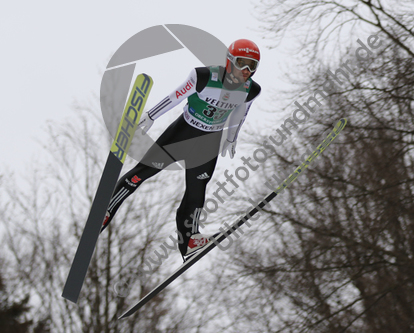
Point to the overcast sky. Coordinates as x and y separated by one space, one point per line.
55 52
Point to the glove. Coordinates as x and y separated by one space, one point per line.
230 147
145 123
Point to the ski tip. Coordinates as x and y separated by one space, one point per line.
343 121
146 75
340 124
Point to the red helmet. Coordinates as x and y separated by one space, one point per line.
242 54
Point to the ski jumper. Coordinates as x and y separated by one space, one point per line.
193 137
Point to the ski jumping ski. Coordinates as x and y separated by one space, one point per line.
116 158
223 235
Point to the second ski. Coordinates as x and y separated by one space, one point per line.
223 235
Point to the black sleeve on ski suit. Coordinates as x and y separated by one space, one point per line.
203 75
254 91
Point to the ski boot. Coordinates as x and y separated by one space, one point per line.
106 221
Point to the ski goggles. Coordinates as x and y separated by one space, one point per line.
242 63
